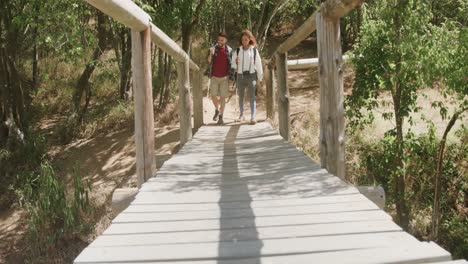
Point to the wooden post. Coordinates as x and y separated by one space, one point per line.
270 92
332 155
185 102
197 77
143 99
283 94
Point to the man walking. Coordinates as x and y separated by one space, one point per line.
220 74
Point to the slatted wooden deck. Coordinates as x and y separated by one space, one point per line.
240 194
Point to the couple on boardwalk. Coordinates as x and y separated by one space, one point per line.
242 66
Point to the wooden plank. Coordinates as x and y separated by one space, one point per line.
267 183
259 150
244 249
306 170
207 141
254 131
259 159
243 190
332 138
259 128
217 196
220 163
303 64
283 95
224 167
210 224
458 261
241 155
275 143
422 253
145 216
144 122
219 140
280 176
243 234
168 206
190 182
185 102
197 78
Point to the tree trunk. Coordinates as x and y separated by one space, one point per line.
83 86
400 184
161 76
264 29
436 215
124 56
166 91
261 17
35 70
187 27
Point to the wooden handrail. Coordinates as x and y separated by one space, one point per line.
332 9
326 20
301 64
132 16
143 33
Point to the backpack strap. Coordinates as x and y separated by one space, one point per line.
255 54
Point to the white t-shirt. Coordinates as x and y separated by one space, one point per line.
247 62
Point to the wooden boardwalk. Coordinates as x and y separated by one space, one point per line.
240 194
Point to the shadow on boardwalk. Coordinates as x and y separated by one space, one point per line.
226 233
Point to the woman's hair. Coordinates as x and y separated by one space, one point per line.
249 34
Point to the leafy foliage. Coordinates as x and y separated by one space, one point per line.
53 215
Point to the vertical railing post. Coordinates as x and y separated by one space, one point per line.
185 102
197 77
143 100
270 91
332 153
283 94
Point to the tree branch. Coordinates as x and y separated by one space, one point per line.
196 16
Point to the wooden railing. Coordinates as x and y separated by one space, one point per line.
143 33
326 20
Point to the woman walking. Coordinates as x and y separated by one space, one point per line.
247 63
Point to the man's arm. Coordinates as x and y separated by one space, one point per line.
259 67
234 60
210 54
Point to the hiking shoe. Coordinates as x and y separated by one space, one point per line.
253 121
240 119
220 120
215 117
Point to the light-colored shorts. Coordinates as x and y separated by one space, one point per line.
219 86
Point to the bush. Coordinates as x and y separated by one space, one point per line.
421 153
53 216
17 157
